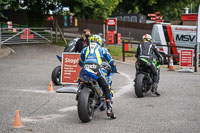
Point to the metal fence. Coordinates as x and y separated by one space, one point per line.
25 35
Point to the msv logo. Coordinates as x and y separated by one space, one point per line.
185 38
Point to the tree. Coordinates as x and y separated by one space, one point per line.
36 10
170 9
91 8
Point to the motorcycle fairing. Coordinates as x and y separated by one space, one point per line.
86 74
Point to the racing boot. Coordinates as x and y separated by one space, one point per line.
154 89
110 112
111 95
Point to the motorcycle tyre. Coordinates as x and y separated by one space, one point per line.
139 85
56 75
83 104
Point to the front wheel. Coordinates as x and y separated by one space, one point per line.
56 75
85 105
140 89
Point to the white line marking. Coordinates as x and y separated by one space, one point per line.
39 118
124 62
71 108
36 91
126 88
12 50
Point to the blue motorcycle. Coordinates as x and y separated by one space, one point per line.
90 95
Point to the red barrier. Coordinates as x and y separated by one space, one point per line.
70 68
118 38
126 47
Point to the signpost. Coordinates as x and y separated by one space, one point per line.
10 25
70 68
155 16
27 34
186 60
69 72
198 41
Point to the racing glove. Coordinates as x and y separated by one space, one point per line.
113 67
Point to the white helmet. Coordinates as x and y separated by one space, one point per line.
147 37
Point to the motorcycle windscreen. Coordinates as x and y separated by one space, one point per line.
59 57
71 46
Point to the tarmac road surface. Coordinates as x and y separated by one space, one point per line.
24 79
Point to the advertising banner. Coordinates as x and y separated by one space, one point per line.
70 68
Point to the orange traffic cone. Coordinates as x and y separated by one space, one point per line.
17 121
171 64
50 89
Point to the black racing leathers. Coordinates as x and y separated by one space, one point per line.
81 44
147 50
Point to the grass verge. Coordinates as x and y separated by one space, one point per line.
116 50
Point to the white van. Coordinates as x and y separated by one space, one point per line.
175 35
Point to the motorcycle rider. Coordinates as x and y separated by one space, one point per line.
94 54
145 52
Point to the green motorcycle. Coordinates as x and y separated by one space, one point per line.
143 80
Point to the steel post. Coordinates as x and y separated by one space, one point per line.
0 38
27 35
197 58
123 52
169 53
51 35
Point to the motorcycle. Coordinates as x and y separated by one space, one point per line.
56 73
90 96
143 80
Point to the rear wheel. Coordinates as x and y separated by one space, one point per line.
85 105
140 89
56 75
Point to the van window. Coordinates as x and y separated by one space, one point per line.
156 36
